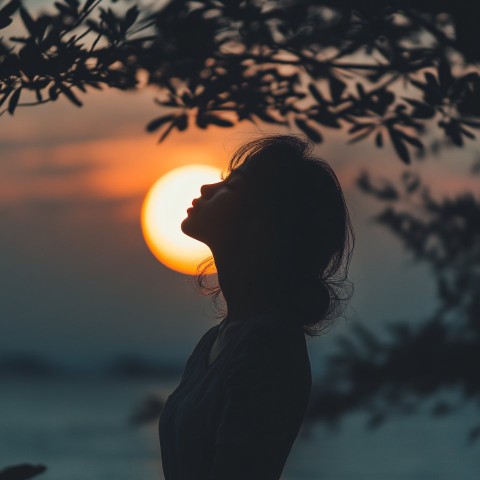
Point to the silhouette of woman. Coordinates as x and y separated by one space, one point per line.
281 239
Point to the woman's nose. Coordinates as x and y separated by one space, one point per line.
208 189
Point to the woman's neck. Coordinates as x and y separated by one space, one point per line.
236 279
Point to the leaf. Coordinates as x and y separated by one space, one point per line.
474 434
5 22
421 110
93 25
444 74
411 140
401 332
432 82
158 122
200 121
360 126
87 5
467 133
19 39
360 90
471 123
10 8
81 87
379 100
452 129
267 118
432 91
363 182
371 343
316 94
131 16
73 3
441 408
325 117
12 104
336 88
347 346
7 11
52 92
66 10
166 132
362 135
399 146
28 22
181 122
213 119
376 420
70 95
309 131
411 181
187 99
95 85
7 93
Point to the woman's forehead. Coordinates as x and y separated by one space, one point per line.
237 174
240 175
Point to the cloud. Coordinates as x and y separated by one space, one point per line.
60 170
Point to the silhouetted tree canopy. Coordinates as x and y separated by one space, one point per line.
374 68
441 353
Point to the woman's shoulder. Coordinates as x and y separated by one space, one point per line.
201 344
275 327
275 335
272 349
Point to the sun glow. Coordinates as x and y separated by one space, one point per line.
163 210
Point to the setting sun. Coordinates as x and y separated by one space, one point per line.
163 210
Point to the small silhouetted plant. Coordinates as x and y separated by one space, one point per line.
377 69
21 471
148 411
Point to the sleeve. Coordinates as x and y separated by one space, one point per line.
259 420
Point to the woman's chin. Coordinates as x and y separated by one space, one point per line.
184 226
193 227
187 229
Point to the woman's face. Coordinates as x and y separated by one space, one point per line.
220 212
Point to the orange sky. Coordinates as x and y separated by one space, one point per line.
60 150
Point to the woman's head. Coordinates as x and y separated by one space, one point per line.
221 214
298 234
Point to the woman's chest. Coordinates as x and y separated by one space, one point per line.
192 411
215 350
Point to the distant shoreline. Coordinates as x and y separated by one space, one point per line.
26 365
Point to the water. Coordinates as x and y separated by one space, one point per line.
79 429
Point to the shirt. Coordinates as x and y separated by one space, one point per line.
239 417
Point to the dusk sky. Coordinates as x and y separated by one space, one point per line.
78 283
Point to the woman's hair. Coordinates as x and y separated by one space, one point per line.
304 270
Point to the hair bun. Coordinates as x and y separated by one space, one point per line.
312 299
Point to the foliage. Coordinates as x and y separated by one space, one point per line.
21 471
311 65
443 352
